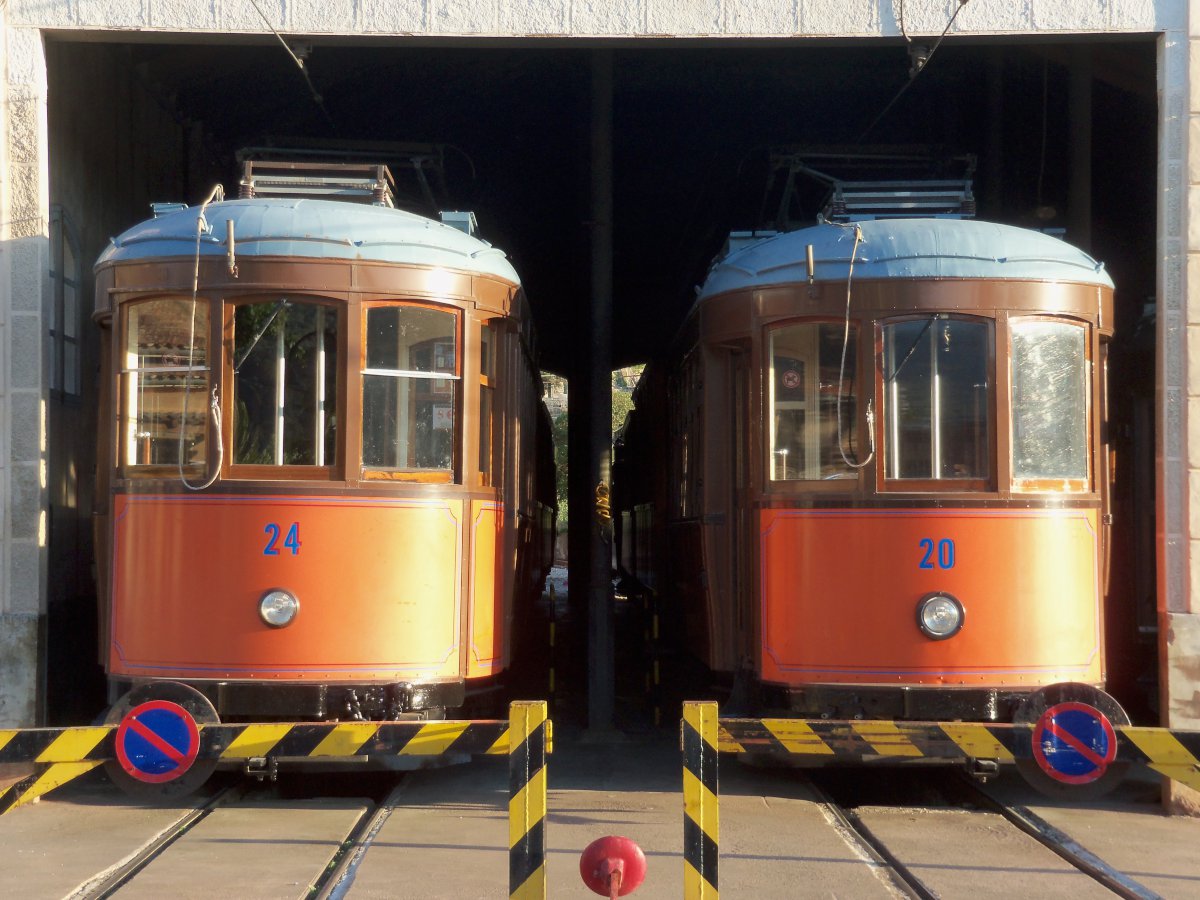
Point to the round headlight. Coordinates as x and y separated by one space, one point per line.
940 616
278 608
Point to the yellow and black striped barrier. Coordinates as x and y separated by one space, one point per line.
1175 754
701 825
529 740
59 755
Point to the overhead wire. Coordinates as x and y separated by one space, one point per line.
317 98
916 71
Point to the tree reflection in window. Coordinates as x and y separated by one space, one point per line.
285 377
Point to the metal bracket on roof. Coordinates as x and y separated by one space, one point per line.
355 182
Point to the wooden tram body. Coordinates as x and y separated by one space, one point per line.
941 551
324 460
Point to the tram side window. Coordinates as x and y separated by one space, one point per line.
285 384
410 389
165 383
1049 402
937 397
806 360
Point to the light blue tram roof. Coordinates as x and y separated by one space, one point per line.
906 248
318 229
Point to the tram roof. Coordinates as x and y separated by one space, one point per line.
905 248
317 229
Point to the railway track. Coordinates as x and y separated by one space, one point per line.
864 806
241 839
848 833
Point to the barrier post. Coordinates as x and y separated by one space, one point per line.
698 740
527 738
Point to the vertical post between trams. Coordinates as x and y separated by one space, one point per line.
701 790
601 678
528 739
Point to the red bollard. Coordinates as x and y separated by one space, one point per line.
613 866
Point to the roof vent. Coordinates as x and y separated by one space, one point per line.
161 209
463 221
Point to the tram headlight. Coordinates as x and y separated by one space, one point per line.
940 616
278 608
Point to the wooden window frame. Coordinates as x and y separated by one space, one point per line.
890 485
453 475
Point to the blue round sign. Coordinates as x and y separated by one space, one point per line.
1074 743
157 741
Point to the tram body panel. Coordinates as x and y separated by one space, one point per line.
486 611
378 582
348 416
840 590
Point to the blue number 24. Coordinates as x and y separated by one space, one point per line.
291 541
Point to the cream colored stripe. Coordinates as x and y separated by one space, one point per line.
73 745
527 808
534 887
434 738
797 736
694 885
726 742
700 805
1160 746
56 776
886 739
501 745
256 740
976 741
345 739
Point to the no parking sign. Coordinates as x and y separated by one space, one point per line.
157 741
1074 743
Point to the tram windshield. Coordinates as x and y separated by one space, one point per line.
937 397
285 365
806 361
165 383
1049 401
410 389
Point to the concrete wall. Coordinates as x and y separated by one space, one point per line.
24 202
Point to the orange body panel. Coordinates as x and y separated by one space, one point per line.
487 581
840 590
378 580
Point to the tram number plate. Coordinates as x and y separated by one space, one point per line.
291 540
939 555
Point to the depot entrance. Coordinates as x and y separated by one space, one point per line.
1064 137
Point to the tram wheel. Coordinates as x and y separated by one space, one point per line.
140 786
1031 711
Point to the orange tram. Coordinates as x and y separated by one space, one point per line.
870 476
324 456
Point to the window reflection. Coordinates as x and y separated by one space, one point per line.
1049 400
410 391
165 382
805 364
285 384
937 396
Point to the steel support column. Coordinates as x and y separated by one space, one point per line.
601 689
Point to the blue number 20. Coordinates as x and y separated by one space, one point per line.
292 541
945 554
